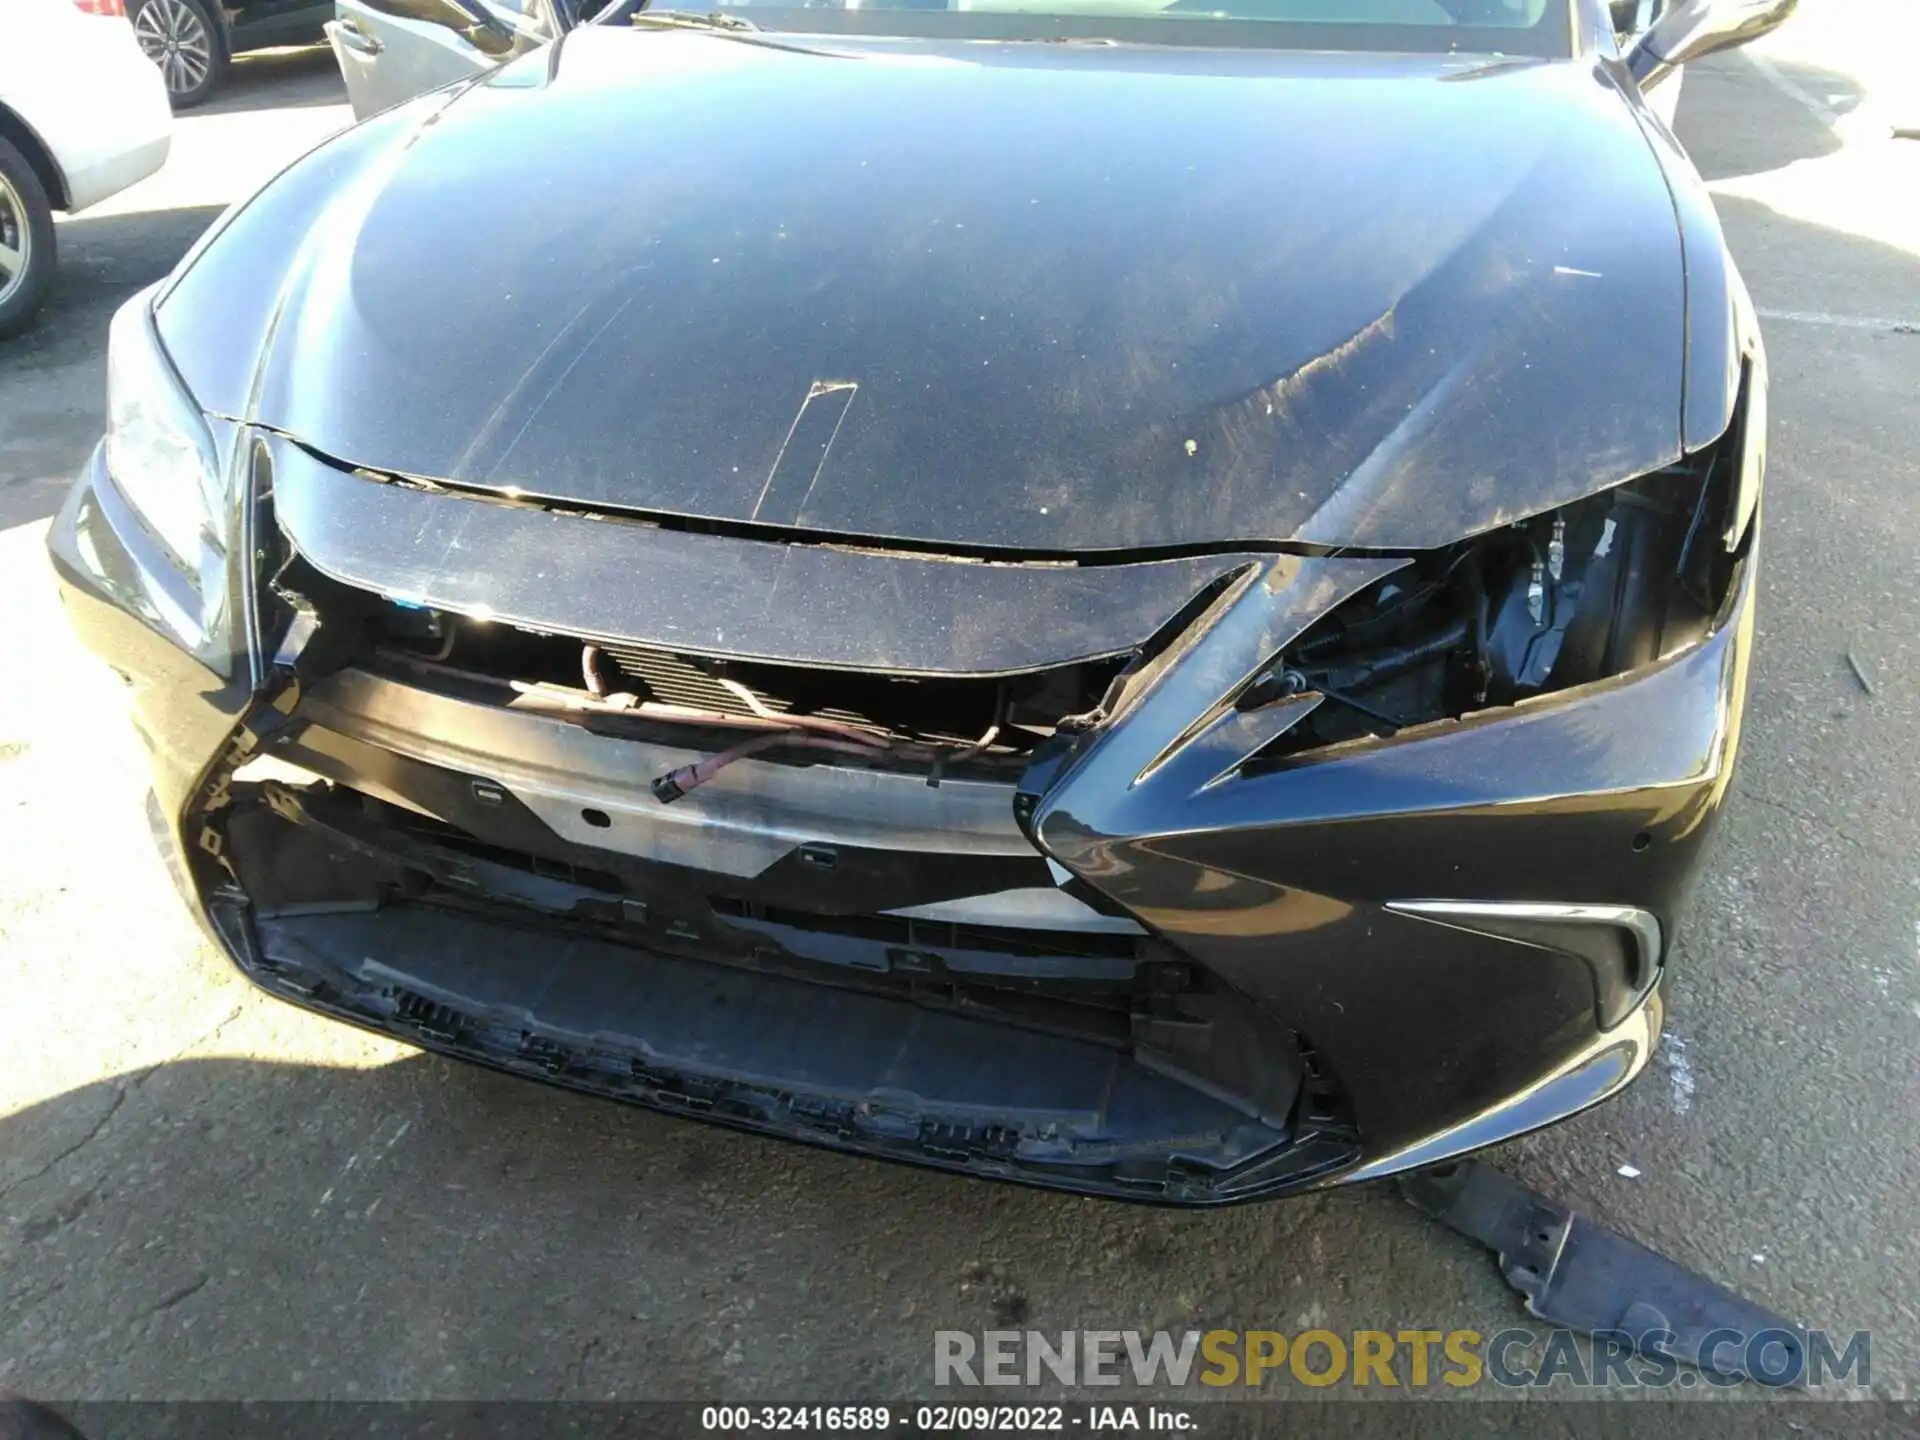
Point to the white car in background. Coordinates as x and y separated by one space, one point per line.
82 114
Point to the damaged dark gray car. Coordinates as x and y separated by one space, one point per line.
1142 598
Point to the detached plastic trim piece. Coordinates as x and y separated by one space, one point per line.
1575 1273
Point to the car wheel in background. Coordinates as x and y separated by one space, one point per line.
27 1420
26 241
180 37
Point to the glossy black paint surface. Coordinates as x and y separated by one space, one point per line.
183 710
1277 879
1029 297
1723 334
720 594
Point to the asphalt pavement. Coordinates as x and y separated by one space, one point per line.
206 1194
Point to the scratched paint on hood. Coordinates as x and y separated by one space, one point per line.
1061 300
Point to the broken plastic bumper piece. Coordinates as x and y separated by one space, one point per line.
1579 1274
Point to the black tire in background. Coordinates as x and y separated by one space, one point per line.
184 40
29 1420
27 253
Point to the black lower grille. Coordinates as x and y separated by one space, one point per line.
425 1014
910 933
962 1087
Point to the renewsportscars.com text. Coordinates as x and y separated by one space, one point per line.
1513 1358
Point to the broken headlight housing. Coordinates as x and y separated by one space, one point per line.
162 461
1597 588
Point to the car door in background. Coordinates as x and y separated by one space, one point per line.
392 50
1630 21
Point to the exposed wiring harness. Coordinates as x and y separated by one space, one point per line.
671 786
978 747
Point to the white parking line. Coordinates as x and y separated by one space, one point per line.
1845 322
1791 88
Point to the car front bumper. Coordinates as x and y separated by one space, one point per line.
1373 1027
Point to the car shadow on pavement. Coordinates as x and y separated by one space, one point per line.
233 1228
276 79
53 378
1764 114
104 258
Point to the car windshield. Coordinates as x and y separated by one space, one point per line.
1507 27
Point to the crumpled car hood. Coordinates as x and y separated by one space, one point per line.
1039 298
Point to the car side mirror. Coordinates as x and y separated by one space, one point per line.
1688 29
484 30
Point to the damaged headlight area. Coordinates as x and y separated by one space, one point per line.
1593 589
165 471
